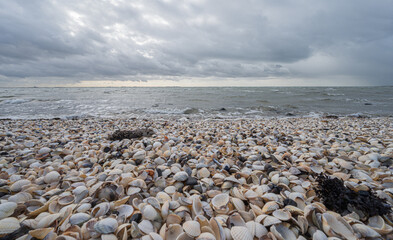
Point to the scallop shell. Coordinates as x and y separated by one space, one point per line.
192 228
240 233
105 226
9 225
238 204
7 209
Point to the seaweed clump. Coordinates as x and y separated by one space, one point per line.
343 200
130 134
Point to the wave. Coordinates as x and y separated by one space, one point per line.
16 101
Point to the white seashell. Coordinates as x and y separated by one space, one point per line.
180 176
9 225
20 197
105 226
149 213
52 177
220 201
283 215
269 220
365 231
7 209
240 233
173 231
206 236
192 228
282 232
319 235
84 207
270 207
41 233
18 185
48 220
330 224
146 226
79 218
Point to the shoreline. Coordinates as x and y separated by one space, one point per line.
220 177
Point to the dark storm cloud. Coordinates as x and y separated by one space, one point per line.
90 40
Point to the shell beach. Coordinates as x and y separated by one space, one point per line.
205 179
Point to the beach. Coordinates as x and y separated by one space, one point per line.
193 178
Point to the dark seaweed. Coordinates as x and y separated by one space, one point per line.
341 199
130 134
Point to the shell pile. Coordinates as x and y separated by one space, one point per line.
193 179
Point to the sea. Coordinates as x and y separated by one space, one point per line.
212 102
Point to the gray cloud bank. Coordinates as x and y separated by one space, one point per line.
133 40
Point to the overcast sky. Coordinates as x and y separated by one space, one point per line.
248 42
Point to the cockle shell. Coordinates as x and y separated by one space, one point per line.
192 228
7 209
240 233
79 218
52 177
107 225
9 225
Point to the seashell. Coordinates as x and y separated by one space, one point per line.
79 218
66 200
173 231
80 193
184 236
100 209
319 235
9 225
236 220
52 177
173 219
105 226
220 202
240 233
206 236
365 231
192 228
270 207
125 211
149 213
18 185
331 225
7 209
250 194
84 207
283 215
238 204
146 226
170 190
47 220
41 233
20 197
378 224
270 220
180 176
108 237
282 232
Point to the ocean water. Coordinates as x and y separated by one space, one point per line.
225 102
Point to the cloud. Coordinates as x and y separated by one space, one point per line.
78 40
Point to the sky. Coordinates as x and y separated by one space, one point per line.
196 43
